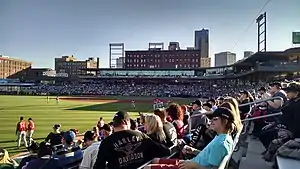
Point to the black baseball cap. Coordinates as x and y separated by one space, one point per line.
197 102
262 89
223 112
292 87
207 105
278 84
120 116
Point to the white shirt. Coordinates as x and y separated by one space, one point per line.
90 156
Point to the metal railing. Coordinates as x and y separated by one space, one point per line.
261 101
170 156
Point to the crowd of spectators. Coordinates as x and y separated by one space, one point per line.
200 90
203 131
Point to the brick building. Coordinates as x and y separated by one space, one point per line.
172 58
73 67
10 66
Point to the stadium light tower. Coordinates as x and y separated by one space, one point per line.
116 50
262 32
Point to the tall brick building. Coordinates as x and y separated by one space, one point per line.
10 66
172 58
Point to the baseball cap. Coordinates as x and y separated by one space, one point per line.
69 136
120 116
207 105
262 89
223 112
292 87
278 84
197 102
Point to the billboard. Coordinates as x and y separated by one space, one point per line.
296 37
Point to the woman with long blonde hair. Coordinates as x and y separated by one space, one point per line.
154 128
232 104
5 159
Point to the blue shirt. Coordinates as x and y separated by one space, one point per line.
213 154
66 158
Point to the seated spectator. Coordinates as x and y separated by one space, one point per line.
33 149
55 137
198 116
176 114
169 129
212 155
126 148
90 153
105 130
287 125
97 132
70 153
6 161
213 103
44 160
208 108
154 128
134 125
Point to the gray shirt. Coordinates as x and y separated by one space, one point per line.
198 118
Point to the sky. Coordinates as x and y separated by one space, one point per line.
40 30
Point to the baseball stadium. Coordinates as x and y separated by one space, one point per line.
78 105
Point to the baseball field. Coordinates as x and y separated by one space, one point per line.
80 113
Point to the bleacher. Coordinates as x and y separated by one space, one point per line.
246 152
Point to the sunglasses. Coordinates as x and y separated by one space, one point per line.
215 118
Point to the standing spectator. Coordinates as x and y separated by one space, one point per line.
21 132
90 153
30 130
124 144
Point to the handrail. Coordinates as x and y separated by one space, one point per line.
261 117
260 101
172 154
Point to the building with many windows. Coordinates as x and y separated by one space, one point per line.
225 58
10 66
174 58
202 42
73 67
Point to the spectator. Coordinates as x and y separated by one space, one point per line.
33 149
44 158
169 129
213 154
154 128
6 161
55 137
198 116
176 114
134 125
70 153
105 130
90 153
213 103
275 91
126 148
245 97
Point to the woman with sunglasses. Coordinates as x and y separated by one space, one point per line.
224 123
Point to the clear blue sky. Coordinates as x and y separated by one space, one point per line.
39 30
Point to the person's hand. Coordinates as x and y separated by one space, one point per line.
187 150
155 161
267 126
187 164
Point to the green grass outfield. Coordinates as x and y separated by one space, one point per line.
82 115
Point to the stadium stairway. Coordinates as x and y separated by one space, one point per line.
253 157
